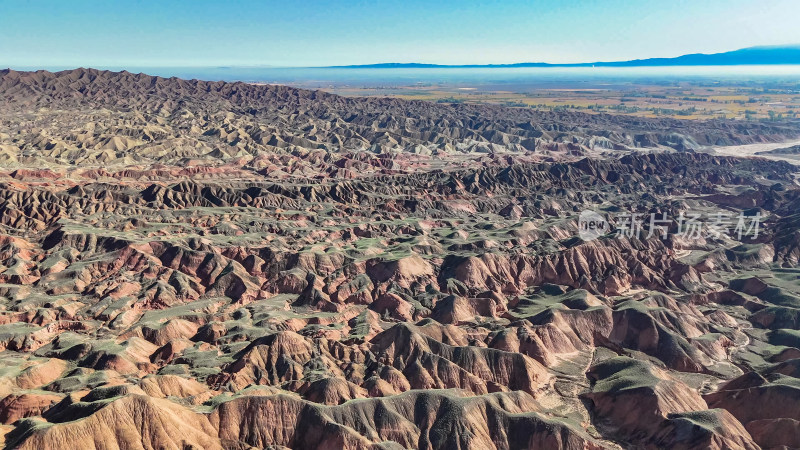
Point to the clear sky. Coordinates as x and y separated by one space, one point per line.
136 33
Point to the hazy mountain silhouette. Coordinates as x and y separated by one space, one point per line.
789 54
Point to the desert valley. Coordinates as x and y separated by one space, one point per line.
225 265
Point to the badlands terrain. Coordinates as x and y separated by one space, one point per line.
209 265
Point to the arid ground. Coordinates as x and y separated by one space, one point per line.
210 265
688 97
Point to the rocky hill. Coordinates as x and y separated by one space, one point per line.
188 264
134 119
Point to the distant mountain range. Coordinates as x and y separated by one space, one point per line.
789 54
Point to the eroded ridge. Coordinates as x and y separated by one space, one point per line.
345 288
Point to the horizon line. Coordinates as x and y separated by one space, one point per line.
642 62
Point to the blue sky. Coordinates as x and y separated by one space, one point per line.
136 33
